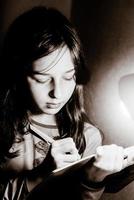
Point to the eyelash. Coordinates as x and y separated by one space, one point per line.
48 80
70 78
39 81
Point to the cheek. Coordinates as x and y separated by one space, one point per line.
38 92
68 90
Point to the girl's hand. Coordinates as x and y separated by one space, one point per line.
109 159
129 154
25 154
64 152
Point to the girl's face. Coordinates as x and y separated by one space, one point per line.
53 81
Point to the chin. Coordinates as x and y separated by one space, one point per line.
51 111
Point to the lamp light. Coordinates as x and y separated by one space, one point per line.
126 92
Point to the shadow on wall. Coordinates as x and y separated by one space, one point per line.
107 32
9 10
106 29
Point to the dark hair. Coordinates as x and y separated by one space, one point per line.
35 34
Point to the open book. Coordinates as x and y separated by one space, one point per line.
73 166
59 186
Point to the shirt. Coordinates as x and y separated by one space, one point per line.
33 150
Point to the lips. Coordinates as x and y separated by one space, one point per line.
53 105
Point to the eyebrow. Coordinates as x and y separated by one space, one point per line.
45 74
71 70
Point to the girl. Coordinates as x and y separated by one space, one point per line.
42 91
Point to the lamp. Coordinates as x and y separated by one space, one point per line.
126 92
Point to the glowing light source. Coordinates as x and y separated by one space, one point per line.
126 92
124 109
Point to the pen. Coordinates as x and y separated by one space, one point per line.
41 134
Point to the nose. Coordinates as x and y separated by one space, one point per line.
56 91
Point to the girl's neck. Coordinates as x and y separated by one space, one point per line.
44 119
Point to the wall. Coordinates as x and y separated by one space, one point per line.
106 29
10 9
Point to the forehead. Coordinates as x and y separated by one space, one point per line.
59 60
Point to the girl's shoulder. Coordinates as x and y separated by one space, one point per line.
93 138
91 130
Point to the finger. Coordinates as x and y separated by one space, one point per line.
129 152
119 158
99 151
106 152
62 141
63 160
71 158
110 158
67 151
104 156
68 147
71 150
61 155
129 156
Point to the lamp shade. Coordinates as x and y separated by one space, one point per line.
126 92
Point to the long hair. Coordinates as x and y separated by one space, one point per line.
34 34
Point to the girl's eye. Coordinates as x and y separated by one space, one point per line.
43 80
70 77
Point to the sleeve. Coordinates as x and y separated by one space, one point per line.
23 155
117 181
89 193
93 140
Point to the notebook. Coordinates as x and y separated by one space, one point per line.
73 166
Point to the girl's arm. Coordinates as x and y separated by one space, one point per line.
64 152
93 140
109 159
23 160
